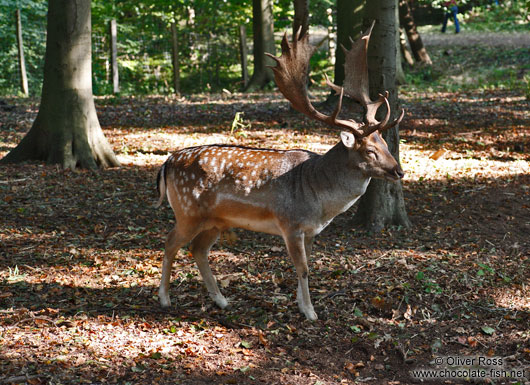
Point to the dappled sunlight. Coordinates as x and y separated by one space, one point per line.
144 148
450 165
515 298
90 344
81 255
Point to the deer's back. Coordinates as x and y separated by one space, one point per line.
232 186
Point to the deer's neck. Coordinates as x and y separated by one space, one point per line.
336 182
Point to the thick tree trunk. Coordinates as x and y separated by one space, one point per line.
66 130
263 29
383 202
416 44
301 16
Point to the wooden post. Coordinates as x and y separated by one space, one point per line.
21 61
176 69
331 36
114 56
243 50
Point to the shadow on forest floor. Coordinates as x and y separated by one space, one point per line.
80 257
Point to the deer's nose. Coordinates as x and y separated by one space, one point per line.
399 172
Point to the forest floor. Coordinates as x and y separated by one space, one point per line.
81 252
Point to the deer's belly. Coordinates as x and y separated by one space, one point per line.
254 224
246 215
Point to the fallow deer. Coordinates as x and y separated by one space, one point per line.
291 193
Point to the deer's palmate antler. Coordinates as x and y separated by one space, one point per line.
291 193
291 74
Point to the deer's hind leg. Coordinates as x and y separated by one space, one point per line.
178 237
200 247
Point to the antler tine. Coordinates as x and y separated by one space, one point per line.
291 73
395 121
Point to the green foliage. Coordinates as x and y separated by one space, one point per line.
207 38
472 68
33 19
239 126
209 46
429 284
510 15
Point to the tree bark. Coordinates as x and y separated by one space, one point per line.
175 58
400 74
66 130
349 26
301 16
405 52
243 52
383 202
263 29
21 61
416 44
113 32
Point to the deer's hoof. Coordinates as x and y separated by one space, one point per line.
220 301
164 300
311 315
309 312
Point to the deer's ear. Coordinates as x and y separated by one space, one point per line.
347 139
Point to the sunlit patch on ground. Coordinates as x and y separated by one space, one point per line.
80 258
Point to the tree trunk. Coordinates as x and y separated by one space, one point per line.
301 16
405 52
113 32
66 130
416 44
175 58
263 29
243 52
21 62
349 26
383 202
400 74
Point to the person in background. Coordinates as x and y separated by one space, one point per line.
451 9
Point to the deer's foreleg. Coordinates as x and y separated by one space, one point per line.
296 246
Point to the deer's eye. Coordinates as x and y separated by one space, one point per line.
371 153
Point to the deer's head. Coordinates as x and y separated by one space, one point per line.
370 154
366 147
